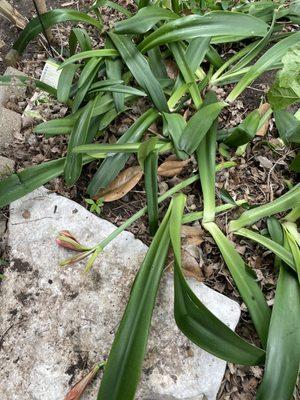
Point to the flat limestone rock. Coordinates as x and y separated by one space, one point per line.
10 125
56 323
14 88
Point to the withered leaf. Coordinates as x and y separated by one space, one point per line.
121 185
262 110
192 235
172 166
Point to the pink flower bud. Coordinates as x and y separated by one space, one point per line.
68 241
78 389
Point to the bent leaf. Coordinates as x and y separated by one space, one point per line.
245 282
144 20
217 24
34 27
194 319
123 369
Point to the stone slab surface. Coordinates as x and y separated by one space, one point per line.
10 124
6 167
14 89
55 323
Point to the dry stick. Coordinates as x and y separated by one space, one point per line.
13 15
40 7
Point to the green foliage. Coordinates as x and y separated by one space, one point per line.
100 85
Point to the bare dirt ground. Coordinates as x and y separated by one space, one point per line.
260 175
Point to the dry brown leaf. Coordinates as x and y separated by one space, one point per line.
172 166
193 235
172 69
190 264
121 185
262 110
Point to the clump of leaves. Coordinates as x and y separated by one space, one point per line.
100 85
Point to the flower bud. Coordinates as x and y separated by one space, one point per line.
68 241
78 389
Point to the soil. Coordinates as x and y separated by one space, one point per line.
259 176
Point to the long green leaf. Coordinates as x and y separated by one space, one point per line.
90 54
81 37
151 188
123 369
283 203
187 73
215 24
283 347
288 126
55 127
65 82
118 89
206 158
87 76
194 319
114 71
144 20
174 125
19 184
270 57
245 282
200 123
140 69
113 164
245 131
34 27
78 136
269 244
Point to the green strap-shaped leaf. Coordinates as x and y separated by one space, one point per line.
174 125
200 123
194 319
113 164
119 89
156 63
65 82
196 52
141 70
151 187
187 73
214 24
87 76
206 158
19 184
245 131
285 202
123 369
114 71
81 37
144 20
55 127
270 57
245 282
283 346
79 134
288 126
50 18
269 244
89 54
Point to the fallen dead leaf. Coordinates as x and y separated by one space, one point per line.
121 185
190 264
193 235
172 166
262 110
171 68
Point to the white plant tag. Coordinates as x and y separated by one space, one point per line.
50 74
